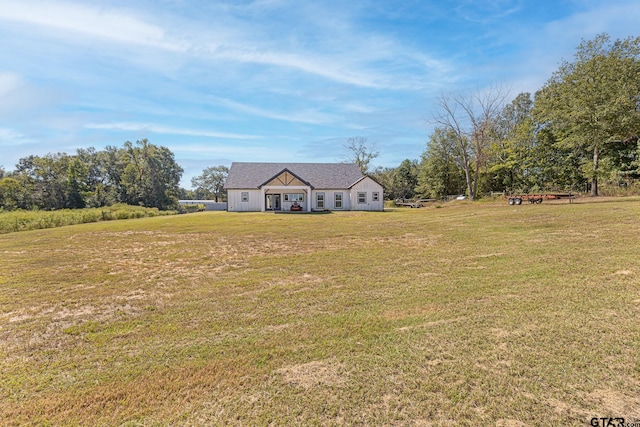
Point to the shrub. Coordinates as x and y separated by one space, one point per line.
18 220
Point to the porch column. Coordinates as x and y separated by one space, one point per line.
308 199
262 200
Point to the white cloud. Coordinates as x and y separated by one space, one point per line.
118 26
308 117
206 149
10 135
155 128
350 62
619 20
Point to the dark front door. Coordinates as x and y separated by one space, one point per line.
272 202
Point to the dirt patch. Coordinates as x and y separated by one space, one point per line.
623 273
317 373
616 402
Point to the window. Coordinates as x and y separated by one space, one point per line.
338 201
362 197
245 196
295 197
320 200
375 196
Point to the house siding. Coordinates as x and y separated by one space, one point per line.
330 199
235 203
367 186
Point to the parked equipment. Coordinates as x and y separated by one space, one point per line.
538 198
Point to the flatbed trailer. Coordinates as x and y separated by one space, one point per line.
516 199
417 203
400 202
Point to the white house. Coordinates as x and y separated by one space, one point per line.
255 187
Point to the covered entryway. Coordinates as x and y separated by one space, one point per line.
272 202
286 191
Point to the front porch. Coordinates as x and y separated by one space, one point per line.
286 192
286 199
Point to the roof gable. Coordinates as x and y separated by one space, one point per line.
285 178
246 175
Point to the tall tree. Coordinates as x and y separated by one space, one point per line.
46 178
593 102
211 182
472 120
439 174
511 152
151 176
405 180
77 186
13 195
360 153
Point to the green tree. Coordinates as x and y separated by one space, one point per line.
46 178
76 183
150 176
13 195
439 174
511 153
405 180
211 183
554 166
593 101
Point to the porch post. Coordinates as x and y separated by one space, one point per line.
262 200
309 199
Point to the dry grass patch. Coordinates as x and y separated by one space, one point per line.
316 373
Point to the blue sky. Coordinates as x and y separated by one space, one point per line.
270 80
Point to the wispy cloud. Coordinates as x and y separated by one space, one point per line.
102 23
619 20
160 129
355 61
10 135
308 117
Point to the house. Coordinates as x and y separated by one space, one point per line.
255 187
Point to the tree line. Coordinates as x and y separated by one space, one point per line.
579 130
137 173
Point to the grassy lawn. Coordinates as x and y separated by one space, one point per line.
466 314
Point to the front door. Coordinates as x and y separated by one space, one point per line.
272 202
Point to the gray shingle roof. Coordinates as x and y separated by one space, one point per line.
245 175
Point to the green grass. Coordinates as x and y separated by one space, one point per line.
12 221
465 314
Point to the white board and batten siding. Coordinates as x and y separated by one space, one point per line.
367 195
237 202
330 200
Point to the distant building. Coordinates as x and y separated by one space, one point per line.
255 187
